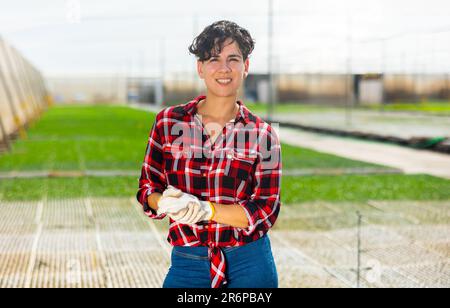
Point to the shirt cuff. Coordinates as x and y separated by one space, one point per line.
249 208
151 213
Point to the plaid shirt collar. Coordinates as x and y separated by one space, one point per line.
191 109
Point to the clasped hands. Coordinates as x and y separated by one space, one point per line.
184 208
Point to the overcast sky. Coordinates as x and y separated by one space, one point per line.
76 37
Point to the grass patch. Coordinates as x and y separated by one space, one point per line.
80 138
348 188
430 107
67 188
364 188
261 108
426 107
301 158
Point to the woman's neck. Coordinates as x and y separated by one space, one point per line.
221 108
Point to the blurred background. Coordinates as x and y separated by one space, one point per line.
359 92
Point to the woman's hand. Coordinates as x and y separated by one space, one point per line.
192 214
183 207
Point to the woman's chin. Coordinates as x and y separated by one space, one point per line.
223 93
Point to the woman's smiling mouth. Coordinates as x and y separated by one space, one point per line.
224 81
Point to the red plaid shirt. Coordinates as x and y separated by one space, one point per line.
243 167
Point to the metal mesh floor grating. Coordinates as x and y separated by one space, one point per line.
100 243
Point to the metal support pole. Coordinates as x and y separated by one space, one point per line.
271 102
162 62
358 267
349 83
383 73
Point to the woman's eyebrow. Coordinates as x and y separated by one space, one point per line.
230 56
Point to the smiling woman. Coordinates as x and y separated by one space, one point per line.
221 187
222 50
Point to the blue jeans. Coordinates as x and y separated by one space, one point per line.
248 266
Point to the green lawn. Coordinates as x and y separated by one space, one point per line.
364 187
261 108
354 188
62 188
301 158
427 107
111 138
83 138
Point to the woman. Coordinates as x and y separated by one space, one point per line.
214 168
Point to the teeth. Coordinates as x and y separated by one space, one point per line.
224 81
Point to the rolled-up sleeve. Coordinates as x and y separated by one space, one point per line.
152 178
264 205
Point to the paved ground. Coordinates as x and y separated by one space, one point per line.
386 123
110 243
408 160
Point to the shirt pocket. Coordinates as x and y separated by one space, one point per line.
240 167
175 162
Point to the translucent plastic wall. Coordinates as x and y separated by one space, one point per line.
23 95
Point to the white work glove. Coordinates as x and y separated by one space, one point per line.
183 207
190 215
164 207
173 200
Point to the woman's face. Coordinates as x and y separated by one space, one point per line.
224 73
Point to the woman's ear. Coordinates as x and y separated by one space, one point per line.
200 69
246 67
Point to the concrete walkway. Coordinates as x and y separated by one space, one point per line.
380 123
146 107
408 160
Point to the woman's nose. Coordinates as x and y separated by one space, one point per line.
224 67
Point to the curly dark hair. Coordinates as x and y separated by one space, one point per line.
211 41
